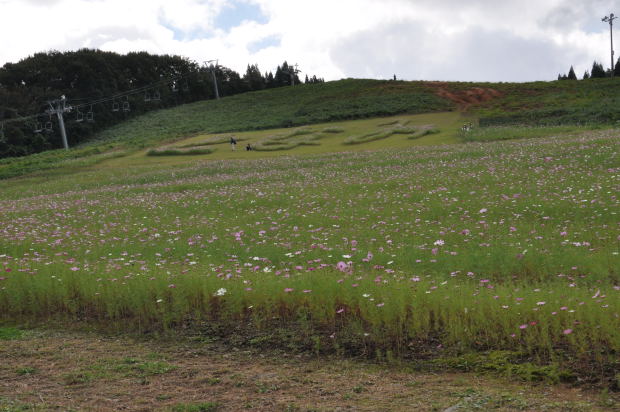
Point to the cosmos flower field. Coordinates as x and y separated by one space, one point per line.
448 249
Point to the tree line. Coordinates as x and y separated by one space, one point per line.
90 80
597 72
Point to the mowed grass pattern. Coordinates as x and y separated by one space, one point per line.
325 138
415 252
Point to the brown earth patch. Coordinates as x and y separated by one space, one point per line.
78 371
465 98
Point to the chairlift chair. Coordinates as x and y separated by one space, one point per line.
156 95
49 127
147 96
116 107
90 116
126 106
38 127
79 117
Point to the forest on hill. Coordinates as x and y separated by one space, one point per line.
102 89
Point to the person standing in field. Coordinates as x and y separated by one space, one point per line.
233 143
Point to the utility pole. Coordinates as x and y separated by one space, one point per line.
292 72
59 107
610 19
213 68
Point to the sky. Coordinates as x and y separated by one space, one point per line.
464 40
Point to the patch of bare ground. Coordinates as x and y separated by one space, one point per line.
45 370
465 98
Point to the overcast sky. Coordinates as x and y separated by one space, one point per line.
469 40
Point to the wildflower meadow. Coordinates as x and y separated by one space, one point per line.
421 253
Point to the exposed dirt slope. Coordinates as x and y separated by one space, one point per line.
464 98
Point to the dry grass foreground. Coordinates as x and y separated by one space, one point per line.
44 370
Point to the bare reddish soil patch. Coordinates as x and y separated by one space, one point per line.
464 98
78 371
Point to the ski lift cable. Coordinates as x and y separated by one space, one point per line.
138 90
129 92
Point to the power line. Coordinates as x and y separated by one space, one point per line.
118 96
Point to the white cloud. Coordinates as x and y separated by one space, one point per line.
416 39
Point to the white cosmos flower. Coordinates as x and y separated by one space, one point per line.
221 292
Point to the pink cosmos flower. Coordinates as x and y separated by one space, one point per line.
567 331
287 290
524 326
341 266
340 310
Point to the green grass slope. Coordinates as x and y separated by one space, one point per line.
282 107
584 102
589 103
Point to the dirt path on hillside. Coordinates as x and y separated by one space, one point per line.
77 371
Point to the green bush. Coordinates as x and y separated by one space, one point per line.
178 152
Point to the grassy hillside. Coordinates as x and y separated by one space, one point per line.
283 107
593 103
586 102
453 252
499 256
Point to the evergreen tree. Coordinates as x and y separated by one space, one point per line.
281 78
617 68
269 80
597 71
571 74
253 78
586 75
